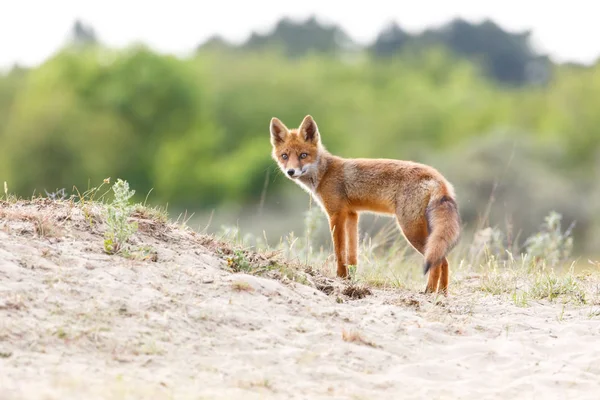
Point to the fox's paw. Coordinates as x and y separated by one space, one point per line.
442 292
342 272
429 290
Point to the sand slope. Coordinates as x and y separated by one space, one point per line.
76 323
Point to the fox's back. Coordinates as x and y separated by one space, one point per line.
381 185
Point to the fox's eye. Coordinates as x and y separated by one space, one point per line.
284 156
303 155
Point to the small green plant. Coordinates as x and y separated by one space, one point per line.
5 354
594 313
352 272
520 298
11 198
87 198
551 244
548 285
142 253
239 262
561 316
157 214
61 333
59 194
119 229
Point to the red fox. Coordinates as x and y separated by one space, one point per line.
420 197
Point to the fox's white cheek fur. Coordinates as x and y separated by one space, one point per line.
308 168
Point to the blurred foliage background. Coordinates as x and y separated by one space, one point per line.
516 134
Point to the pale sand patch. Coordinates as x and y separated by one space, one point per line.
76 323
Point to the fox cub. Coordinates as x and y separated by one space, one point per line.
420 197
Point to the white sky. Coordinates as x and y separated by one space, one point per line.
30 31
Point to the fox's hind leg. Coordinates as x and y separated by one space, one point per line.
433 280
443 288
416 233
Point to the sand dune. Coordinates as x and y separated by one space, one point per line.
76 323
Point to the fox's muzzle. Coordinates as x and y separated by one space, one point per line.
294 173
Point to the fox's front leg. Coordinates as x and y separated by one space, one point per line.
352 233
337 224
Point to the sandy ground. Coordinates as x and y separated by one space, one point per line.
76 323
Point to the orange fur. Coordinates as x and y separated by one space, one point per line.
420 197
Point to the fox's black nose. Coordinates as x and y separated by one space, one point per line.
290 172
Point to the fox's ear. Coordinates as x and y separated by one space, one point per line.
278 131
309 129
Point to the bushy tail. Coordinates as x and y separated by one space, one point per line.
443 221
